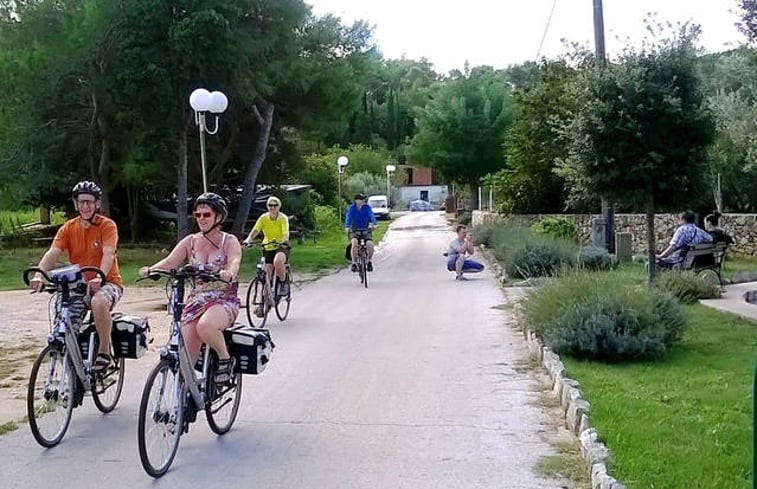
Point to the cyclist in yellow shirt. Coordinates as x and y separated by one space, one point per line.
274 225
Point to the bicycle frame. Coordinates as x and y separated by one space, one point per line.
63 332
176 349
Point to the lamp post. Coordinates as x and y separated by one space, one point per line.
341 162
203 101
389 170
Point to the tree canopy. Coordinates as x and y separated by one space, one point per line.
460 130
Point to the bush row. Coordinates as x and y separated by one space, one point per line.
599 315
540 251
584 310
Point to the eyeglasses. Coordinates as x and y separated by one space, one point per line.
206 215
273 205
85 202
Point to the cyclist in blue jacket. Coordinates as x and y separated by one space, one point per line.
359 223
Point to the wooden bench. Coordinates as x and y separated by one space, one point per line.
703 259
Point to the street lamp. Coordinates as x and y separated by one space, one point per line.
203 101
341 162
389 170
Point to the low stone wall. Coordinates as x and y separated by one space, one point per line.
743 227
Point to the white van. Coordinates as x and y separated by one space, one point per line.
380 206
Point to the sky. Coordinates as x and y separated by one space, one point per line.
504 32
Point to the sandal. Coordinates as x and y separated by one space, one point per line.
102 362
224 372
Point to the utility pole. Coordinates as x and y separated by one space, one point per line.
608 213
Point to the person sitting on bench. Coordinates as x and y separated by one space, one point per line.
711 224
687 234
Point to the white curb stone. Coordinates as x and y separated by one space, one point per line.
575 409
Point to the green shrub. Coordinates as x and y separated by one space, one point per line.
687 286
326 219
483 233
556 227
603 317
594 258
535 260
524 254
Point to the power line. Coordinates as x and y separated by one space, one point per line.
546 28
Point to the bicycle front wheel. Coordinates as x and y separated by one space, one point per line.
161 413
283 302
363 268
222 411
50 397
108 386
257 308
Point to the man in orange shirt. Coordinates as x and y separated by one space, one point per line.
90 240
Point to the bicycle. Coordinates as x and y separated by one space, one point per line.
362 256
63 372
173 393
262 297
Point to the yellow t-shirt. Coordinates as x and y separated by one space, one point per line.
273 230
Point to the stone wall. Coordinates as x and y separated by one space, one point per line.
743 227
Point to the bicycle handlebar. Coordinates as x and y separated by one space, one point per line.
185 272
59 280
260 244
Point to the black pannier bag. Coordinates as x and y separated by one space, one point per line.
129 336
251 347
83 338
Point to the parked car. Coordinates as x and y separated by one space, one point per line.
380 206
420 205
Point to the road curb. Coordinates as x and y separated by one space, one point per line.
575 409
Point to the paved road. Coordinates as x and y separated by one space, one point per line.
412 383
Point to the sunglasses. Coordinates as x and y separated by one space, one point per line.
206 215
85 202
273 205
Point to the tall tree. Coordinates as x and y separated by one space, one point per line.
460 131
641 133
528 183
748 24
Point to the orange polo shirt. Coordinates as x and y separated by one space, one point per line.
85 245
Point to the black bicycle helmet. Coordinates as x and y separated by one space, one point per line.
87 187
360 196
215 202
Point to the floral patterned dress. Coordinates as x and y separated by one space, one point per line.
205 295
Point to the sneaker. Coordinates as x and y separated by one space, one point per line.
461 278
354 267
369 267
283 289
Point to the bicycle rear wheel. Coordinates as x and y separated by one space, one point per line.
283 302
160 422
107 387
222 411
50 396
257 308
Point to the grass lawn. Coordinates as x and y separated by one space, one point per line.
685 422
327 252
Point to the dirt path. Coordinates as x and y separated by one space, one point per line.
25 326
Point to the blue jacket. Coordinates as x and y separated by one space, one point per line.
359 218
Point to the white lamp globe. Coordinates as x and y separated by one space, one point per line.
200 100
218 102
342 161
390 168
